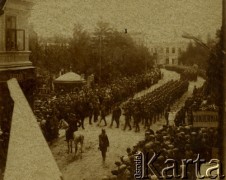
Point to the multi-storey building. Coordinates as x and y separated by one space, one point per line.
167 52
28 155
14 45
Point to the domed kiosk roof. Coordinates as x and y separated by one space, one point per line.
69 77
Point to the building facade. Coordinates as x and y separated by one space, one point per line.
167 52
14 45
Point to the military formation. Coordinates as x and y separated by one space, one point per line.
149 108
187 73
177 142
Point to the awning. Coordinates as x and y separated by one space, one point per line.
70 77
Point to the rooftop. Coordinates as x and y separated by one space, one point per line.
70 77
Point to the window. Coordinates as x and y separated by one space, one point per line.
167 60
173 50
167 50
179 50
173 61
15 38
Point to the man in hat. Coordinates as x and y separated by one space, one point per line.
103 144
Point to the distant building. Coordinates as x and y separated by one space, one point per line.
53 42
139 38
167 52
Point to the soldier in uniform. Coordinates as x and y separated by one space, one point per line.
167 115
116 115
103 144
137 119
127 119
90 112
96 112
103 115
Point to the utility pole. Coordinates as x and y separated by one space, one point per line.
224 60
100 57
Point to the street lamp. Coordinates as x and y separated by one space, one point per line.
188 36
198 41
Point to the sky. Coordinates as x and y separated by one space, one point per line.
158 20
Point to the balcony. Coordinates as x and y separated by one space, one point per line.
13 59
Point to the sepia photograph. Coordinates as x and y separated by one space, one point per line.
112 89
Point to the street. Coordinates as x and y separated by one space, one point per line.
90 166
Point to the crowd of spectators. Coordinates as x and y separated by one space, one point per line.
89 102
171 142
6 110
197 103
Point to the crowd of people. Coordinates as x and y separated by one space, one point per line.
89 102
171 142
6 111
198 102
149 108
182 140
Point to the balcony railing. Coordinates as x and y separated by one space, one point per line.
14 58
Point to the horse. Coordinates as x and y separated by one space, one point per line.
72 136
78 139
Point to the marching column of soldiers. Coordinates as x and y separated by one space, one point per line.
190 75
186 73
149 108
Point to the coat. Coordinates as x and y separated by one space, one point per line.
103 142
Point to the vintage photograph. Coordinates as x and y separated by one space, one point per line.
112 90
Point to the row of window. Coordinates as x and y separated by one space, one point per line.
173 50
167 50
15 38
173 61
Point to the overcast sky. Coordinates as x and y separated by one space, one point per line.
160 20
